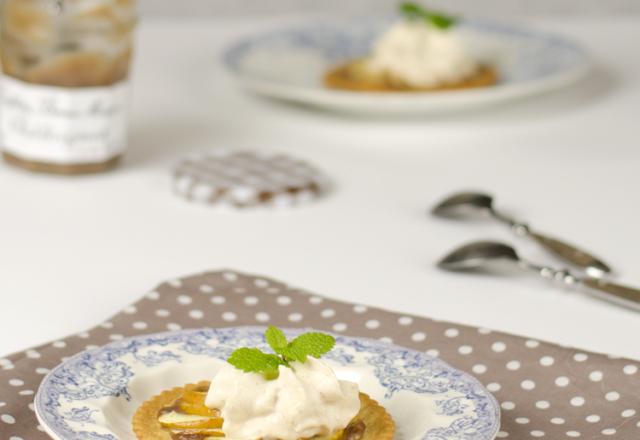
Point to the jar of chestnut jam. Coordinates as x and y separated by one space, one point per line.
65 95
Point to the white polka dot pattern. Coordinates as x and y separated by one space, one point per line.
545 391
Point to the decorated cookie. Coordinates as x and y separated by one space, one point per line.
247 178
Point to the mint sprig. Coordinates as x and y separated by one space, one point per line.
253 360
276 339
414 11
310 344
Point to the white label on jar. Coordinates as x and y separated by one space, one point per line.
63 125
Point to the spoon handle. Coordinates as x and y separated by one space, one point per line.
614 293
622 295
571 254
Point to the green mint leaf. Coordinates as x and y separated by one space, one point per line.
310 344
252 360
441 21
273 361
294 353
414 11
276 339
248 359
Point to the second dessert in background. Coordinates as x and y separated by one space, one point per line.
421 53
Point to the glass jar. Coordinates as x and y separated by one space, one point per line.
65 66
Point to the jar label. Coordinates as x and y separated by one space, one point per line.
63 125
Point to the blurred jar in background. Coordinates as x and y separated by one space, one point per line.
64 99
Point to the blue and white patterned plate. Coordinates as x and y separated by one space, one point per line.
289 64
94 395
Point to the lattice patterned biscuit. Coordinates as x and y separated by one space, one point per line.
244 179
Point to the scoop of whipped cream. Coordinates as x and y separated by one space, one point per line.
305 400
421 55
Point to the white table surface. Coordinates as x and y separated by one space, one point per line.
73 251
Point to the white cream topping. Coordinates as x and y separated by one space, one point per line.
305 400
421 55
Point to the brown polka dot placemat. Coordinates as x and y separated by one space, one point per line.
545 391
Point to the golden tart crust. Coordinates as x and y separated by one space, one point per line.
354 77
378 423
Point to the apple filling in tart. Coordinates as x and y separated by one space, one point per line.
181 414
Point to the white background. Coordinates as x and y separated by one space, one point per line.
75 250
222 8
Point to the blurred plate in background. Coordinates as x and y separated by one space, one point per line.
289 64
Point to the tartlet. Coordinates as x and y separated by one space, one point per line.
352 76
187 403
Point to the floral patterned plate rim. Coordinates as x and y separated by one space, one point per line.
289 64
93 395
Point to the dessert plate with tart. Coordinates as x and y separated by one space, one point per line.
421 61
251 383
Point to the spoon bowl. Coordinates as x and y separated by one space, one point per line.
467 204
464 204
479 255
489 254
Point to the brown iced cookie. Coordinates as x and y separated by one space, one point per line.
245 179
353 76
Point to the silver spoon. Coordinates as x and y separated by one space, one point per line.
468 203
486 254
